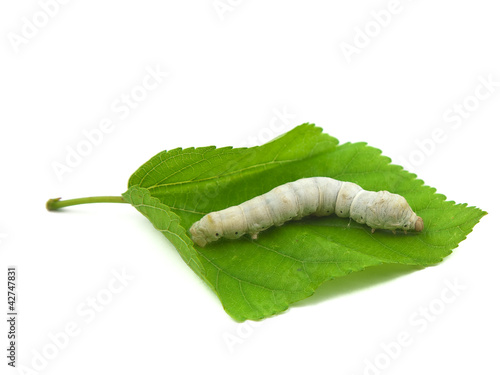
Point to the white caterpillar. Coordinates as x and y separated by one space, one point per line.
320 196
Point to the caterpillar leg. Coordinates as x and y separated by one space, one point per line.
373 230
255 236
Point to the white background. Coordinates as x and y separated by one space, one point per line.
230 72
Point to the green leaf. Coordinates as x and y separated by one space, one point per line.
255 279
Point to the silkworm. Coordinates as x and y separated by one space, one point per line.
319 196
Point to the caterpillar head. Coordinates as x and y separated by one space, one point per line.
412 222
392 211
206 230
419 224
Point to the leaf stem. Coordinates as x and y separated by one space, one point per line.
56 203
